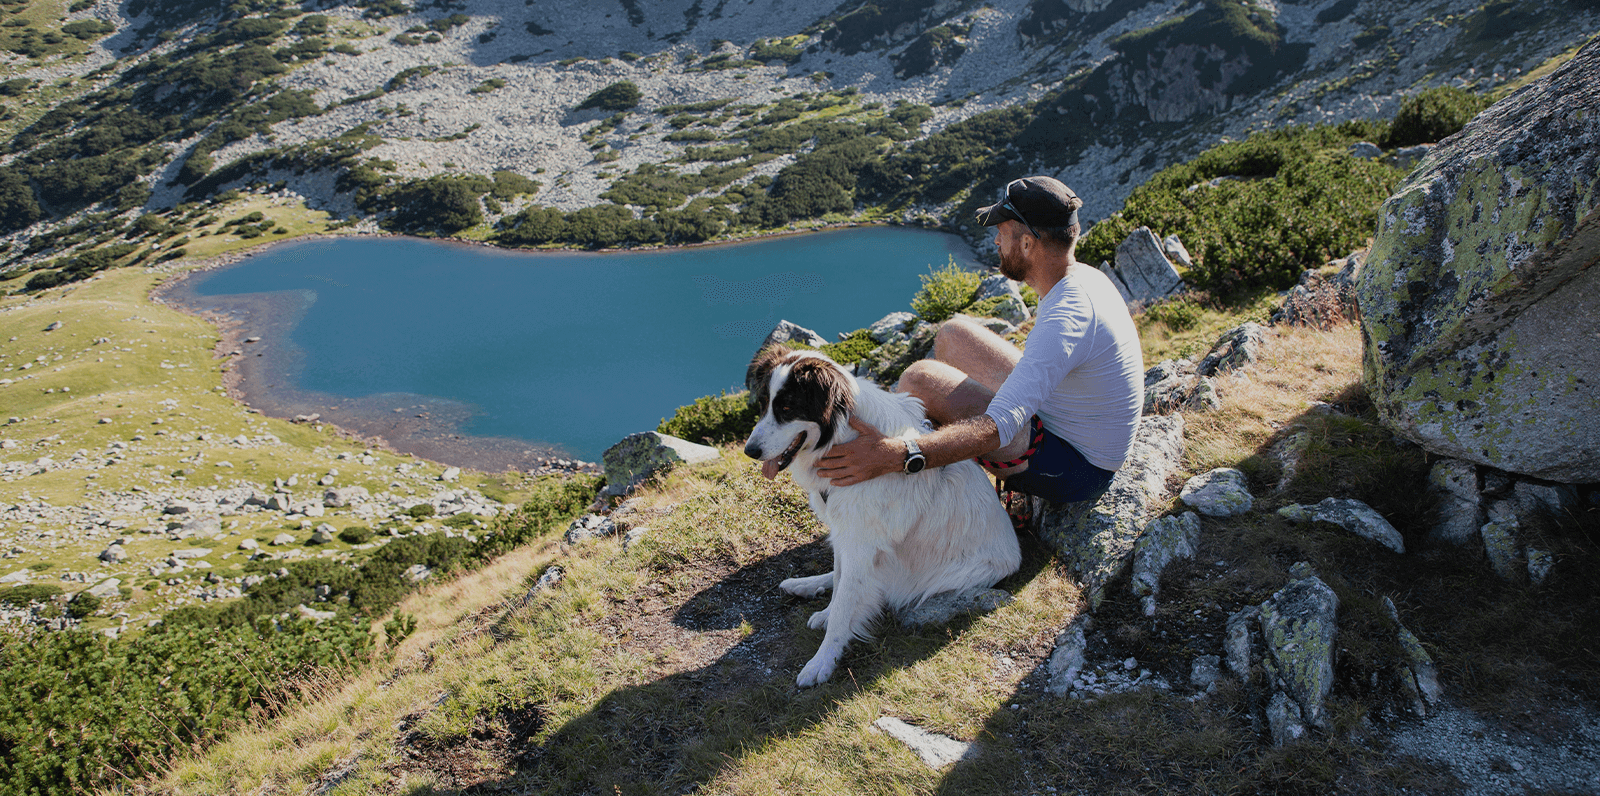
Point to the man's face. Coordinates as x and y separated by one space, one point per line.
1012 264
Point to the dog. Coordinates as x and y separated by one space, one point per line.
897 539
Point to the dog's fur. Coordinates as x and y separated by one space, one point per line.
897 539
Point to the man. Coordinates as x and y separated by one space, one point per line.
1081 375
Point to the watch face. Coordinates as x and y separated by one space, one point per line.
916 463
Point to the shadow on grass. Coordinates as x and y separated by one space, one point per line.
676 733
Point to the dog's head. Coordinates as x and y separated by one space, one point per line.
803 398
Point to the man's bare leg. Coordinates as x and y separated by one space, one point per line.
969 365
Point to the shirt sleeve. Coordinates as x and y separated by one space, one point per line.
1053 350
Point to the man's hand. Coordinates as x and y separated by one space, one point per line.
862 459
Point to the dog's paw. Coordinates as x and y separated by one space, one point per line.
817 671
819 620
807 587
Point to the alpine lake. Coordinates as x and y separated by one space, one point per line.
497 359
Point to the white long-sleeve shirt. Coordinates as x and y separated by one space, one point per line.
1082 371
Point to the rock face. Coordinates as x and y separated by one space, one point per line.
1223 492
1096 537
1292 636
786 331
1481 300
639 456
1351 515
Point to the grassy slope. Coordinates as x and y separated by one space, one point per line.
670 663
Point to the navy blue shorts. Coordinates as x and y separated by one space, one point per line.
1058 473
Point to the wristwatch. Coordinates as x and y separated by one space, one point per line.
915 461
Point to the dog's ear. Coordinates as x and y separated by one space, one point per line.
827 391
759 374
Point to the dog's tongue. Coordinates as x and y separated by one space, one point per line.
769 468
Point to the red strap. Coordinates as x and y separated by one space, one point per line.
1038 437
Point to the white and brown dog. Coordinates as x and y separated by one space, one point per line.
897 539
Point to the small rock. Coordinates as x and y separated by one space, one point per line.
450 474
106 589
786 331
590 526
1205 672
889 326
1351 515
1223 492
313 614
249 544
191 553
945 606
281 539
114 554
937 751
1067 659
417 573
323 534
1365 150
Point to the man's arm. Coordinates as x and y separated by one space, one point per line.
872 454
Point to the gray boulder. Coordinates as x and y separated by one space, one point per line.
640 456
114 554
323 534
1366 150
1142 270
1095 537
106 589
786 331
1167 540
1011 307
1351 515
343 496
1298 628
590 526
1223 492
1174 385
1479 301
1420 680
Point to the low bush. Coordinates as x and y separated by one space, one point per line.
713 419
421 510
356 534
618 96
945 292
1433 115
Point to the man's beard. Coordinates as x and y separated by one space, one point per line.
1012 267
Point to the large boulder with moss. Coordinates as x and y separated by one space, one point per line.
638 457
1480 301
1095 538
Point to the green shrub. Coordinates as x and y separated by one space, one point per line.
1178 314
355 534
460 521
618 96
21 596
1432 115
713 419
83 604
421 510
945 292
851 349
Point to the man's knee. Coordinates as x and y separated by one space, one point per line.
957 333
920 379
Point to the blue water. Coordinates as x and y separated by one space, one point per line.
573 349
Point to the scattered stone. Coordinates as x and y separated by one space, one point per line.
1455 483
1174 385
937 751
1540 563
114 554
191 553
1482 284
640 456
1365 150
786 331
313 614
418 573
450 474
1288 452
1176 252
281 539
53 326
1068 658
1351 515
1422 681
633 536
1168 539
1242 635
1205 672
249 544
200 526
1223 492
106 589
945 606
20 576
590 526
1500 544
324 534
1320 301
1406 157
1237 348
1095 537
890 326
344 496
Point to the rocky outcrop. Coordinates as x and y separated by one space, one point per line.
1095 538
1479 301
1351 515
1321 300
1488 509
787 331
1291 637
1223 492
1167 540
